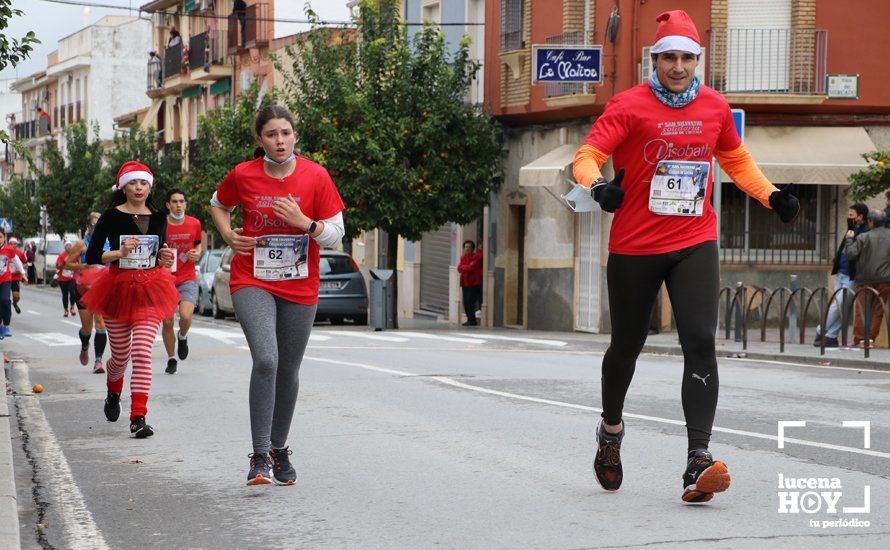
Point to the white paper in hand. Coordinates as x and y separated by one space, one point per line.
579 199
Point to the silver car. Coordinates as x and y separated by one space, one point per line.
207 266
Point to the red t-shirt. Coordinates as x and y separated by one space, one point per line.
60 271
249 187
184 237
638 131
7 253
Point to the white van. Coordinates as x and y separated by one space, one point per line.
47 254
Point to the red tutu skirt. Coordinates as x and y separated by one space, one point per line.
85 278
128 295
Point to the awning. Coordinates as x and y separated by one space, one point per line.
194 91
151 117
808 154
552 168
221 86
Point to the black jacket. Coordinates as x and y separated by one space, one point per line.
837 255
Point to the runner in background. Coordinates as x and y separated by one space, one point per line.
135 293
17 276
184 238
84 276
9 264
289 205
66 280
662 135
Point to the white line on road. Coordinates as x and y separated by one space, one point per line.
72 323
451 382
366 335
539 341
32 312
53 339
427 335
771 362
79 528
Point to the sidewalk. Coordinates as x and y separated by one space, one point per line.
9 516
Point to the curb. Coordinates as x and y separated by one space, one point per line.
818 361
9 512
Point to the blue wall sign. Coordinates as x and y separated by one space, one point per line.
567 63
738 117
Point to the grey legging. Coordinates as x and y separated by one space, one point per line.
277 332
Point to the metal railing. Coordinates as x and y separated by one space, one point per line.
207 48
252 30
570 38
768 61
795 308
173 61
751 234
512 22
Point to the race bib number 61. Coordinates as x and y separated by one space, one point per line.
144 256
678 188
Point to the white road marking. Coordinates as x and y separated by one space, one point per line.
32 312
367 335
789 363
53 339
79 530
538 341
224 336
72 323
412 334
318 338
451 382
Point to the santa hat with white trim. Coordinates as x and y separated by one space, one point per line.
676 31
132 170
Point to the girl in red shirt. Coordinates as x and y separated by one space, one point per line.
66 280
290 208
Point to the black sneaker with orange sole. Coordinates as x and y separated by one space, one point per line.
703 477
260 469
607 463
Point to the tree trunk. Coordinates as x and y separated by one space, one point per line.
392 255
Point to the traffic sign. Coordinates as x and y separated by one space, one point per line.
6 225
738 117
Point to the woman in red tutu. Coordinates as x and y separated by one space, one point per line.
136 292
84 276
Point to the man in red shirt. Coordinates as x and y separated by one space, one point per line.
470 269
17 275
184 237
662 134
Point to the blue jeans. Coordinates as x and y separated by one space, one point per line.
833 322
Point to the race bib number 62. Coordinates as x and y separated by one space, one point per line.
281 257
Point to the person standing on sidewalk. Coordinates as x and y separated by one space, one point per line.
84 276
657 133
844 271
184 238
135 293
871 252
9 264
290 206
470 269
66 280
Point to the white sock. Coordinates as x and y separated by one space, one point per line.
180 335
171 357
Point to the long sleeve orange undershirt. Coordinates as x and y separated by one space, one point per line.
738 163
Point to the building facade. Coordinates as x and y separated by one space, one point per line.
779 61
10 111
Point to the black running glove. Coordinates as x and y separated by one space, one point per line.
785 204
609 194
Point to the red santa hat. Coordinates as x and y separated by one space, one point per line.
676 31
132 170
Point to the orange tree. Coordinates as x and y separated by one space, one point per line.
872 180
389 118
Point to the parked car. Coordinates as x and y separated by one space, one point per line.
207 266
342 293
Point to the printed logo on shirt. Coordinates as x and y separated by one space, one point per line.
680 127
660 149
257 220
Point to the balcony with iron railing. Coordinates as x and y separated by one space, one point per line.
569 94
208 56
173 61
253 30
769 65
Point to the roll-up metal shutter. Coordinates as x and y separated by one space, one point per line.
435 259
759 43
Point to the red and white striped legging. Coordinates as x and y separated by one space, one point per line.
134 341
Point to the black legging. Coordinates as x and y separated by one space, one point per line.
692 276
472 301
67 291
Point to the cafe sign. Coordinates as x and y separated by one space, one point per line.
567 64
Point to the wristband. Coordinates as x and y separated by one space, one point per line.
312 227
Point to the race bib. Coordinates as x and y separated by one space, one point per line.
4 263
678 188
67 273
144 256
281 257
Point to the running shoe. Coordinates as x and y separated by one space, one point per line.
183 349
704 477
260 465
113 406
607 463
16 308
73 310
171 366
65 313
140 429
7 333
98 368
84 356
283 472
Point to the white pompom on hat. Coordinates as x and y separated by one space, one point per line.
132 170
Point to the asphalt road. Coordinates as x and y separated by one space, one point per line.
470 439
